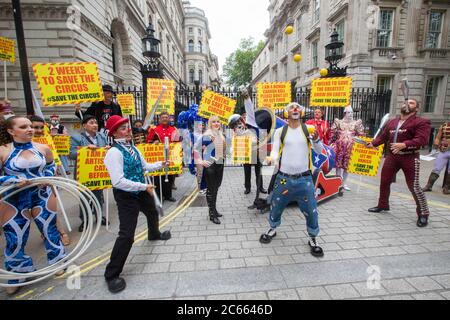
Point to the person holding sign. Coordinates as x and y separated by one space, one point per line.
92 139
5 110
126 167
20 161
343 132
404 136
157 135
442 142
321 125
57 129
102 110
210 152
139 133
291 154
252 129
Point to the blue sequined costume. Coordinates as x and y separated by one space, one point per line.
17 229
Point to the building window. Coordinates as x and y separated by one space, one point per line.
191 45
314 54
340 29
191 75
434 30
384 83
316 11
285 72
431 94
191 30
199 32
200 47
299 25
384 36
200 76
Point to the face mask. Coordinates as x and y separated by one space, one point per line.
54 123
296 116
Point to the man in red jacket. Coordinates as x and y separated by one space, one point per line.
404 136
157 135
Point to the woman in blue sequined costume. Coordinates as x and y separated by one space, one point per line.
20 161
210 152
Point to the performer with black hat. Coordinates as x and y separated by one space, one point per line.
126 167
102 110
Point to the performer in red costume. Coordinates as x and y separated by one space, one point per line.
321 125
404 136
157 135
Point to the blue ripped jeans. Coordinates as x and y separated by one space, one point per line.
300 190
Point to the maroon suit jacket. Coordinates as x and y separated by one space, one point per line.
415 133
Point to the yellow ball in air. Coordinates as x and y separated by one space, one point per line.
297 57
324 72
311 129
289 30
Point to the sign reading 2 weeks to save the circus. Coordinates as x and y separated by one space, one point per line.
68 83
214 104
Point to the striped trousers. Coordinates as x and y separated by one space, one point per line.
410 165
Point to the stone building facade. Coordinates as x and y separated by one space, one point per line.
108 32
201 64
385 42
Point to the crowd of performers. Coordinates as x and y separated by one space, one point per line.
292 146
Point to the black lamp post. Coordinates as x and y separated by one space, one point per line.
333 57
151 51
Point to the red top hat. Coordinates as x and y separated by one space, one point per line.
54 116
114 123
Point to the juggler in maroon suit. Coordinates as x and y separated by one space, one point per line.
414 133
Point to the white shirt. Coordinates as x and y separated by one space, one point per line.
114 164
296 157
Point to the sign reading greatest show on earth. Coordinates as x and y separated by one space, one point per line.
331 92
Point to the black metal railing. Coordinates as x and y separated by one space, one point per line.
368 104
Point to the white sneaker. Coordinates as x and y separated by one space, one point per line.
347 188
202 192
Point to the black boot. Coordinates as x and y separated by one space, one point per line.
212 208
431 181
446 189
215 207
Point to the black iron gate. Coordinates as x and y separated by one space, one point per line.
368 104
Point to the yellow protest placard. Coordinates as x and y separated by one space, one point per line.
7 50
48 141
365 161
274 95
91 169
127 105
68 83
155 153
62 145
242 150
331 92
154 88
214 104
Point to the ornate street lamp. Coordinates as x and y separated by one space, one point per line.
333 57
151 51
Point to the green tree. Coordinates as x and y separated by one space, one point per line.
238 66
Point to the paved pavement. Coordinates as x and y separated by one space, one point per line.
206 261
